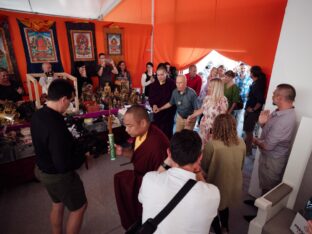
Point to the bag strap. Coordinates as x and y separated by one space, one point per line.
173 202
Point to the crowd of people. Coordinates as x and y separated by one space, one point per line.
167 152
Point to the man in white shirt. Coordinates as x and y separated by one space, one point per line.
197 209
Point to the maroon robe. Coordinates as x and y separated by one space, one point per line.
147 157
159 95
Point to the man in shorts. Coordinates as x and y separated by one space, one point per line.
57 158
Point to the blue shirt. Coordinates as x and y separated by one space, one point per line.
244 86
186 102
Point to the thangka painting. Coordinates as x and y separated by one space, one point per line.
82 45
114 46
5 57
41 46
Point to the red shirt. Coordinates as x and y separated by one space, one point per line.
194 83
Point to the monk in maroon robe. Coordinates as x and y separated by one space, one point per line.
159 94
149 152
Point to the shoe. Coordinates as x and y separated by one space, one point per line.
250 202
248 218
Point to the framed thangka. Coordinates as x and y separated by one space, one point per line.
41 46
5 57
114 44
82 45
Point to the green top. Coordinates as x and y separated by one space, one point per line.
222 166
232 94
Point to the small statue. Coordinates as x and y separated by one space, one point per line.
134 98
87 93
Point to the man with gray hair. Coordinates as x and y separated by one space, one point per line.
278 129
185 99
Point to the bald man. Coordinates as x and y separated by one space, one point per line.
147 154
185 99
278 129
48 77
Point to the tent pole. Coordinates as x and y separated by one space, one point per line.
152 34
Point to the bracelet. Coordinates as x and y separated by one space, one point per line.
166 166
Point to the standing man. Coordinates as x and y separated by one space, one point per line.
185 99
194 81
57 158
158 189
105 70
147 154
253 107
278 129
243 81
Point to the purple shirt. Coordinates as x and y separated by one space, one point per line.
277 134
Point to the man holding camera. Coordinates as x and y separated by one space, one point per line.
105 70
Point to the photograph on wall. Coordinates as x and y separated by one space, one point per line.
82 44
41 46
114 43
5 57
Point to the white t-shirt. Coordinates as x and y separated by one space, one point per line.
195 211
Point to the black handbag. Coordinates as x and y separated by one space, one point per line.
151 224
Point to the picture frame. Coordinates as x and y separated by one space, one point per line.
82 45
41 46
114 43
5 56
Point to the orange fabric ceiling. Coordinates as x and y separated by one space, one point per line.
185 31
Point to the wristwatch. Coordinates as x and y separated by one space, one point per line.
166 166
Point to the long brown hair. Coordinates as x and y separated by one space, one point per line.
224 129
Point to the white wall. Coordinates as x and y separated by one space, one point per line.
293 59
293 65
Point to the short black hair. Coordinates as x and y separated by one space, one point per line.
139 113
230 73
149 64
60 88
289 90
185 147
100 54
161 65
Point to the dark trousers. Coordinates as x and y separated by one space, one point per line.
223 217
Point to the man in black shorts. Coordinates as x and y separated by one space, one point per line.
57 158
255 101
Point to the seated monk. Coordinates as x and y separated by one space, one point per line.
147 154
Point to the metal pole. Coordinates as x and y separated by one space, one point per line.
152 34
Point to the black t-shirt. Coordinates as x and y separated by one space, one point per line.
55 147
256 94
10 93
107 75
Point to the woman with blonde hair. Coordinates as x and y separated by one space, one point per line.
214 103
222 164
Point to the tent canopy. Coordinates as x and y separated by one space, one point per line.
183 31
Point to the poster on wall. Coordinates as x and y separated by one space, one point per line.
114 44
40 46
82 45
5 58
